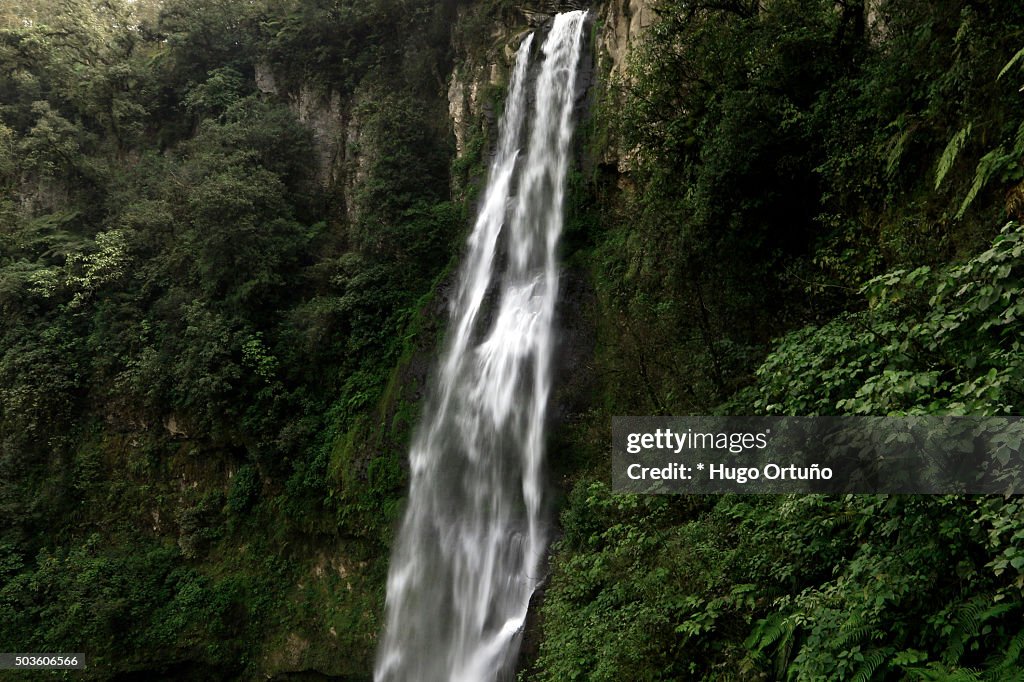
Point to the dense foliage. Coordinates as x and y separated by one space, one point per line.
808 588
832 175
226 230
200 325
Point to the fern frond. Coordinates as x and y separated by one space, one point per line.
950 153
768 631
1013 673
853 636
970 618
993 611
986 168
870 665
776 631
1018 141
1009 65
1013 651
936 672
896 151
976 612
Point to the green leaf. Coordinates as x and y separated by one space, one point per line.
986 168
949 155
1009 65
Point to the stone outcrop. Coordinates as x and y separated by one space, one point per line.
324 115
464 99
478 72
623 22
322 112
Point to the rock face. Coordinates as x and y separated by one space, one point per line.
266 82
470 97
465 87
324 115
322 112
479 73
875 21
341 151
623 22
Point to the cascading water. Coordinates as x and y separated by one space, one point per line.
468 554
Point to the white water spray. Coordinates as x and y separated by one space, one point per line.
468 555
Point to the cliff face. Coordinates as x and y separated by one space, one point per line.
622 23
233 239
616 26
483 44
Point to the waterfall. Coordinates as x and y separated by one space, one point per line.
469 552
